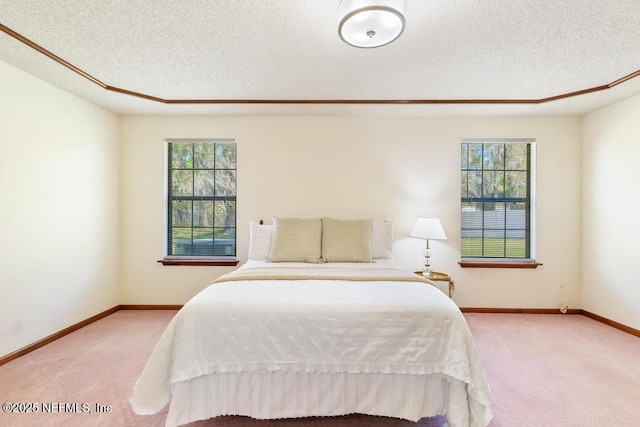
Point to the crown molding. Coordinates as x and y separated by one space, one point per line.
116 89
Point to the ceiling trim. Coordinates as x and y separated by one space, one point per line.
108 87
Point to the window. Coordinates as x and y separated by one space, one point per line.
497 194
201 198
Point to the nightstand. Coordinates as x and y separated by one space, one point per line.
441 277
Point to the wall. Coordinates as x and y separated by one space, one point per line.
350 167
610 231
58 209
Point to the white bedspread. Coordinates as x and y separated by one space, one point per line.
311 325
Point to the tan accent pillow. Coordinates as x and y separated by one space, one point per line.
346 240
296 240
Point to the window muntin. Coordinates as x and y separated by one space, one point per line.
497 189
201 198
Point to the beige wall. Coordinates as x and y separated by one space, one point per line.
611 236
82 201
379 167
58 210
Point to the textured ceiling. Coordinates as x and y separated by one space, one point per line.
290 49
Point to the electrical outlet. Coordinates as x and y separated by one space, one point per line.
564 307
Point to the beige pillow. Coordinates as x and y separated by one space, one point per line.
345 240
296 240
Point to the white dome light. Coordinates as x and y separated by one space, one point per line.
370 23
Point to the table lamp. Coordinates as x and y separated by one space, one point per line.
428 229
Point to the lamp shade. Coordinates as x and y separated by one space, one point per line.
370 23
428 229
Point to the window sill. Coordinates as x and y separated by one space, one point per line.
499 264
223 262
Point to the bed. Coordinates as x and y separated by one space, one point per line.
286 339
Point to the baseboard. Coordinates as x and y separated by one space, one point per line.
40 343
66 331
613 324
620 326
149 307
519 310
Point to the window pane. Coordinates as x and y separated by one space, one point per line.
225 233
471 216
516 245
181 244
464 188
475 156
493 156
494 219
225 182
203 235
225 241
225 214
494 247
204 153
475 183
463 155
182 183
202 213
492 184
225 156
516 184
516 157
203 243
181 214
204 182
517 217
471 246
181 155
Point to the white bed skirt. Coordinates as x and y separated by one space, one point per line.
269 395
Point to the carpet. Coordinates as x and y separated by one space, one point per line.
545 370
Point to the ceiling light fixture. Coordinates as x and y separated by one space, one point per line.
370 23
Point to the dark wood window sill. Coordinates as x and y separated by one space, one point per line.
499 264
223 262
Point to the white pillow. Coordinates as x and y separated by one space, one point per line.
382 239
296 240
259 240
345 240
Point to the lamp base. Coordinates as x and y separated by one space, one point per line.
426 271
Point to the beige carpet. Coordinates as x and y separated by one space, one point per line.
545 370
558 370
